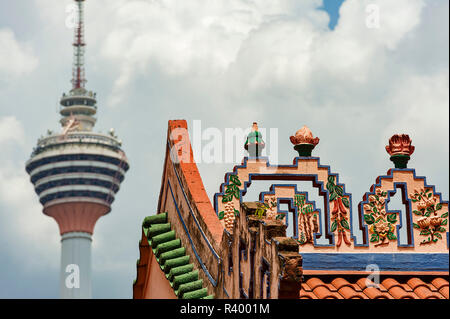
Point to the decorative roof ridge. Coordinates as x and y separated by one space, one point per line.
189 176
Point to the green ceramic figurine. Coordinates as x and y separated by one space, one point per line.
254 143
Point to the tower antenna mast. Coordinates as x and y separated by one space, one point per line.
78 72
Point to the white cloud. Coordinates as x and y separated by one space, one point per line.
16 59
195 37
297 54
11 131
424 113
29 232
396 19
249 46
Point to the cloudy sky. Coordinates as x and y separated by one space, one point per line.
353 80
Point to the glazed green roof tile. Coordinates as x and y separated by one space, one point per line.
163 238
196 294
154 219
208 297
172 258
190 286
179 271
157 229
179 252
176 262
169 245
185 278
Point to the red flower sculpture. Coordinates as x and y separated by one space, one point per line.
400 144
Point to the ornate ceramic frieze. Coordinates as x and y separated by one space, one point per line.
425 213
335 230
301 213
420 226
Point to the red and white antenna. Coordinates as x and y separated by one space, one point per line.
79 79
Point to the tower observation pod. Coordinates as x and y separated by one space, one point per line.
76 173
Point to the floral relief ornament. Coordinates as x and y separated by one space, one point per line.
308 220
230 212
270 204
339 216
431 220
381 224
268 209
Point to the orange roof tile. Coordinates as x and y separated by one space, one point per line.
307 295
357 287
347 289
374 293
442 285
323 290
422 289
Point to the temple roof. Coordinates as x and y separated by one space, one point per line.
229 247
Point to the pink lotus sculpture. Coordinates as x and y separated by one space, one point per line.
304 136
304 142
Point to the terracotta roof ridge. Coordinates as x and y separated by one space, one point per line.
193 183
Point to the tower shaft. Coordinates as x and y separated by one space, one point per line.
75 276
